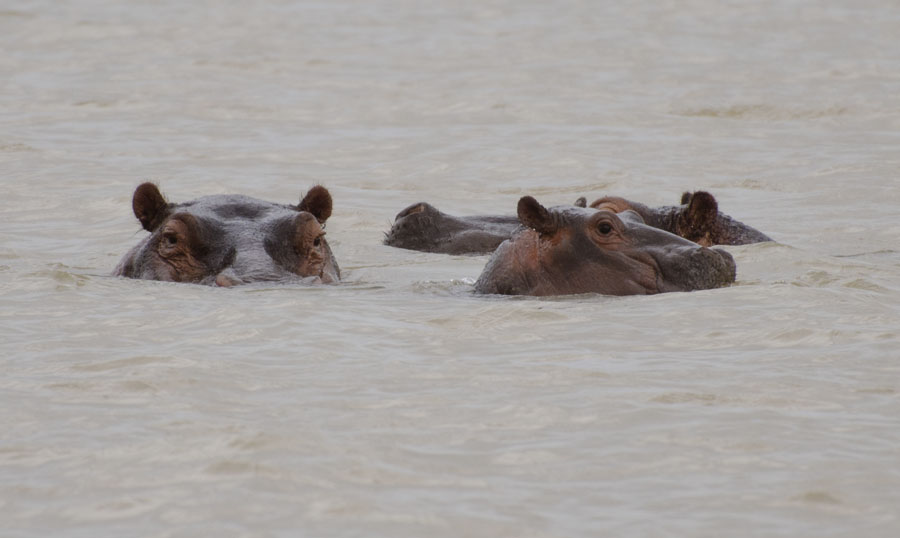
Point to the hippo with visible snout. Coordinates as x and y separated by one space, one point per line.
231 239
423 227
568 250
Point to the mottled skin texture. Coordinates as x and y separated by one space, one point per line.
569 250
227 240
423 227
697 219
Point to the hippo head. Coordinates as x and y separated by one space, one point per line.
569 249
423 227
231 239
418 227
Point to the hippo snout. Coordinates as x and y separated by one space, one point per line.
728 260
723 270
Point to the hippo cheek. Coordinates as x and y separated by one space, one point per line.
312 264
636 273
182 268
513 268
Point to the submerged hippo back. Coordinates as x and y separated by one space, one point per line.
570 250
231 239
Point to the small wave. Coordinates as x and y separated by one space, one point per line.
456 287
117 364
762 112
877 254
817 497
64 278
15 147
583 190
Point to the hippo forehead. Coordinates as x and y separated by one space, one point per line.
241 222
231 207
249 231
633 225
571 215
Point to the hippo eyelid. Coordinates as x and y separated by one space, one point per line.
607 218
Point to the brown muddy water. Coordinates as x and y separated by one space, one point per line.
398 403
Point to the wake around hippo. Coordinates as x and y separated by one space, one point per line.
569 250
231 239
423 227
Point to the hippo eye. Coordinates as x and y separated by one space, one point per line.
317 242
170 240
604 228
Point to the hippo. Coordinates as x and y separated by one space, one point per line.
569 250
231 239
423 227
697 219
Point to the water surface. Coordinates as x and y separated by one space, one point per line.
397 403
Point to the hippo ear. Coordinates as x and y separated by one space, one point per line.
535 216
685 197
581 202
698 218
149 206
318 202
702 208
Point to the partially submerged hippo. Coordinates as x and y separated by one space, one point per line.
423 227
231 239
697 219
568 250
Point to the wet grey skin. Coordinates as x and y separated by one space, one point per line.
571 250
227 240
423 227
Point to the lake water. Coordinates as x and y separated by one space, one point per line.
397 403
